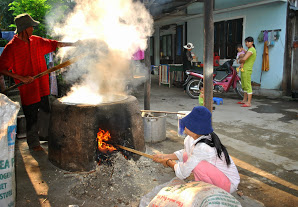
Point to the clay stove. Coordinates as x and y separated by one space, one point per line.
74 128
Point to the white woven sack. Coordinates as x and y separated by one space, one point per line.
193 194
8 119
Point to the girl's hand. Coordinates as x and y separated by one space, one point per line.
164 162
156 159
159 156
160 160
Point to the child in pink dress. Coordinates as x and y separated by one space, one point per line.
240 54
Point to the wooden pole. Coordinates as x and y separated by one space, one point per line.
156 46
208 53
135 151
57 67
287 70
147 87
165 112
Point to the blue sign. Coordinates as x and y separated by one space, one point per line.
11 134
8 35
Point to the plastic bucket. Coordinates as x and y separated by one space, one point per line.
180 116
154 127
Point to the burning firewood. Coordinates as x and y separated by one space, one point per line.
105 145
102 139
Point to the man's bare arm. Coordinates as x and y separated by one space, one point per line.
68 44
24 79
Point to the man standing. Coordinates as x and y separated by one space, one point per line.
187 59
24 56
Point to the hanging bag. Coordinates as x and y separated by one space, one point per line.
261 36
216 59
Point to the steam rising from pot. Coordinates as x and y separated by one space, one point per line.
110 33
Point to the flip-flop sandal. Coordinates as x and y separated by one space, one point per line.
240 102
244 105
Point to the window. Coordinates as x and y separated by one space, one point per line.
227 34
179 44
152 50
166 49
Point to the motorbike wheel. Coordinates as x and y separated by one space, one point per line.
193 87
239 89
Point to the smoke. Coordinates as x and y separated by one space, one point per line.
110 32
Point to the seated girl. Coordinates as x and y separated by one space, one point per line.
203 154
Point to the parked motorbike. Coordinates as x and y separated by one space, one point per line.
224 77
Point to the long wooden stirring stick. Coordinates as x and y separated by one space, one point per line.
165 112
57 67
135 151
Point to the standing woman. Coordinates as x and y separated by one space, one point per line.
248 60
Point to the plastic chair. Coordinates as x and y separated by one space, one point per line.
217 100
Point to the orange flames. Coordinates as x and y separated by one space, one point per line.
102 138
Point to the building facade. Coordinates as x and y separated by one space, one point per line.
234 20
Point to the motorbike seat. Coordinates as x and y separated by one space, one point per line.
220 75
223 71
199 70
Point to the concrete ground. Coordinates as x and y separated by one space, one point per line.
262 141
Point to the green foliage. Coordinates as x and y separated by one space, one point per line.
3 42
37 9
6 16
60 9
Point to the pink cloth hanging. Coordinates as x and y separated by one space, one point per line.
139 55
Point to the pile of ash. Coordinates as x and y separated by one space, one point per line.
121 184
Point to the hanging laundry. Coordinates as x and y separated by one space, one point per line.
139 55
261 36
265 35
53 78
277 35
268 39
265 61
272 42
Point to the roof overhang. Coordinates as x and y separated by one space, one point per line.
180 15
